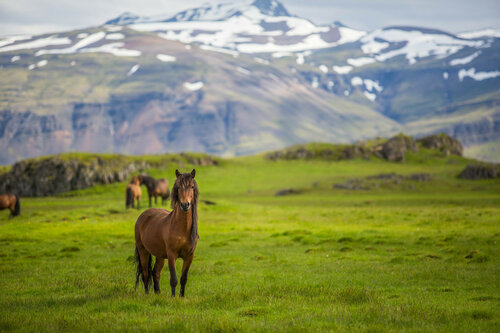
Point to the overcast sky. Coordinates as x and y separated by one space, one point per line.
41 16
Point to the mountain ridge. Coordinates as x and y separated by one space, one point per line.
277 81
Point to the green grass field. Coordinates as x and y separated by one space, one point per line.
400 256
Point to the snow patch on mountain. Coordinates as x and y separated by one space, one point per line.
342 69
12 39
281 54
38 43
115 36
356 81
42 63
479 76
243 70
193 86
261 61
133 69
300 59
415 44
165 57
495 33
466 60
362 61
372 97
315 82
372 85
91 39
115 49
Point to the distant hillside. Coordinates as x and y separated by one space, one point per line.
234 80
51 175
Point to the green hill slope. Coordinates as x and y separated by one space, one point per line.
400 254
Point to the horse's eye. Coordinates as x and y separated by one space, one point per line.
192 187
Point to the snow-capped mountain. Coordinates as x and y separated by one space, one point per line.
413 44
261 26
242 78
483 33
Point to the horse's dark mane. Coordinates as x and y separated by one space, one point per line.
148 181
175 199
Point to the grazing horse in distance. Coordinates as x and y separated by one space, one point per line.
133 193
156 188
150 184
168 235
12 202
161 190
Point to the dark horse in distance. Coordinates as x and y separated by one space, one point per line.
156 188
168 235
12 202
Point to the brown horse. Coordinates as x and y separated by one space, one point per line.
156 188
168 235
133 193
161 190
12 202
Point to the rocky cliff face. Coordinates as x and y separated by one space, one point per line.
54 175
58 174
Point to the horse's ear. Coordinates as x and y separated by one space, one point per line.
193 173
177 173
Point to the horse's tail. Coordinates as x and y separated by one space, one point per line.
138 272
17 206
129 197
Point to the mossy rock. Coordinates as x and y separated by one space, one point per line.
443 143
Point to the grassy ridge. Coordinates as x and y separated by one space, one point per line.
409 256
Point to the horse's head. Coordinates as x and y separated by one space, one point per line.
136 180
185 190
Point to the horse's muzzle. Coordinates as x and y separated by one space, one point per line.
185 206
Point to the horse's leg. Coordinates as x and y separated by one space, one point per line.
145 256
149 195
138 202
184 276
173 273
11 208
157 272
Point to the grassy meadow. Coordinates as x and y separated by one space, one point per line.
401 255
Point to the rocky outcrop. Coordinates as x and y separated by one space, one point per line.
480 171
443 143
49 176
396 147
393 149
286 191
66 172
383 180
